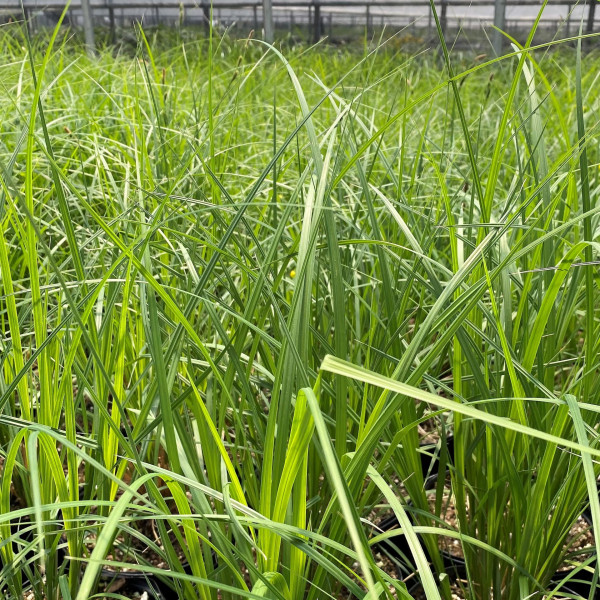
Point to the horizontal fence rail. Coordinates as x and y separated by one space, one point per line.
315 17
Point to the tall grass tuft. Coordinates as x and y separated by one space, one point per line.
246 288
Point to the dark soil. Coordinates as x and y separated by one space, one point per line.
580 537
131 549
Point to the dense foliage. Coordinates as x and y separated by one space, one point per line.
191 226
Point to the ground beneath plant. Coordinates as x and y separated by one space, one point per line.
131 549
132 595
115 588
580 536
579 539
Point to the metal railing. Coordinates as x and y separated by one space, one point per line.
315 17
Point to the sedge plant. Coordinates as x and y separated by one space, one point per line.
196 231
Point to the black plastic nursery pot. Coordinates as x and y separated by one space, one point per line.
576 584
396 548
128 584
430 456
399 551
573 582
122 583
577 581
153 585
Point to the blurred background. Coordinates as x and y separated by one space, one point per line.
469 23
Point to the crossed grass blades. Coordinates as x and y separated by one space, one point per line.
194 228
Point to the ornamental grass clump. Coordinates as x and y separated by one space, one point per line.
237 281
